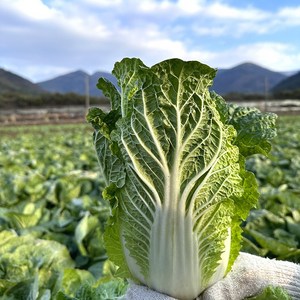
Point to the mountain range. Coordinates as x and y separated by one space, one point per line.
289 83
76 82
246 78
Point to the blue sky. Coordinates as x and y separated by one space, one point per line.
41 39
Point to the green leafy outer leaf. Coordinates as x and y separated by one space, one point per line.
182 189
272 293
104 289
30 266
282 250
254 129
87 224
73 279
115 249
23 290
111 166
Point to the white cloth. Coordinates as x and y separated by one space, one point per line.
141 292
250 274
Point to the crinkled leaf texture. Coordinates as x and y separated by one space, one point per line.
175 176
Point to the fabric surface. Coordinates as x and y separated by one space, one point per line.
250 274
139 292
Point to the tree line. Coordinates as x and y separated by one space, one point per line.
280 95
13 100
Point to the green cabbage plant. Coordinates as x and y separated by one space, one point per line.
173 156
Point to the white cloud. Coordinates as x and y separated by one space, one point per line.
191 7
275 56
148 6
221 10
32 10
221 19
290 15
62 35
215 31
103 3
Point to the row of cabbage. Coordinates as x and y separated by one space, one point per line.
273 229
52 216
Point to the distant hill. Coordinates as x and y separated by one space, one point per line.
18 92
10 82
288 84
72 82
75 82
246 78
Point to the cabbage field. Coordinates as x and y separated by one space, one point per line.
52 216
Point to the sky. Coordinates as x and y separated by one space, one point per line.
42 39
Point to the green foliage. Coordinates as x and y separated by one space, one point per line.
287 94
52 216
104 289
13 100
29 266
272 293
274 228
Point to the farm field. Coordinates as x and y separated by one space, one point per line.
52 216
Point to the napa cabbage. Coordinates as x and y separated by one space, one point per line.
173 157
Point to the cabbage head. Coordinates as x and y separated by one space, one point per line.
173 156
